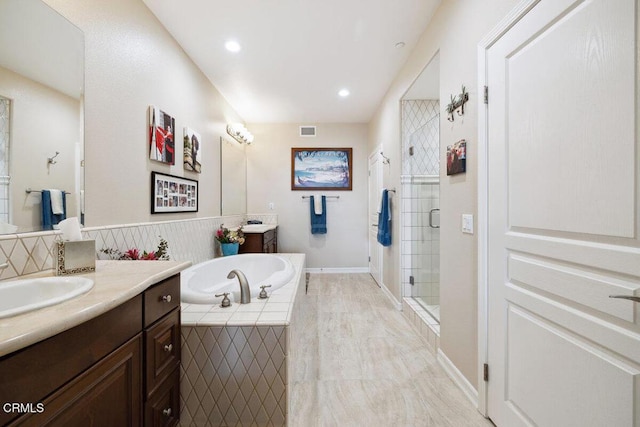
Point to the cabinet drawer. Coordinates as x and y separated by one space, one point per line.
162 350
163 407
161 299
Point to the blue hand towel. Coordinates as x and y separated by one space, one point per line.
318 222
49 219
384 220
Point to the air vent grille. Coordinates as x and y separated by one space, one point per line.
307 131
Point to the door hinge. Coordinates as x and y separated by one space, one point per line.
412 281
486 372
486 94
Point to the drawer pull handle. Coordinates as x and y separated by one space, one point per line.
166 298
167 412
168 348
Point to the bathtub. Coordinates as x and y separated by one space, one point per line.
199 283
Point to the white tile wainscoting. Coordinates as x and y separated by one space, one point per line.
189 240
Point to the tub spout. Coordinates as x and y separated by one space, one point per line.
245 292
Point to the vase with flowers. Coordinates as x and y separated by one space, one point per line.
230 239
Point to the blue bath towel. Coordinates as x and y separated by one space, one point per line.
384 220
318 222
49 219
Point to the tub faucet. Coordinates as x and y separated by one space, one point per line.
245 292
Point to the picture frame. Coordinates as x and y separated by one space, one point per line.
327 169
172 194
457 158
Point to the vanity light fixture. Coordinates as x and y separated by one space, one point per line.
240 133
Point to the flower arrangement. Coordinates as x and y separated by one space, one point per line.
225 235
134 254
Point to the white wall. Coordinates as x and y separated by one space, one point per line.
455 31
57 128
132 62
269 181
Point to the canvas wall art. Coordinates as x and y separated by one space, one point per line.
457 158
321 168
161 136
192 150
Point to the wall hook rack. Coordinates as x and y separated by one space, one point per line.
457 104
51 161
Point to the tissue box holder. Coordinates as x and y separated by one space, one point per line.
75 257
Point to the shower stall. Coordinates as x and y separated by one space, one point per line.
421 203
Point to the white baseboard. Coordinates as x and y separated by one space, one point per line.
457 377
397 304
338 270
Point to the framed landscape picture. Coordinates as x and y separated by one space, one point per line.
321 168
173 194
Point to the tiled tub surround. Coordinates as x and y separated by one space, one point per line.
115 282
189 240
236 360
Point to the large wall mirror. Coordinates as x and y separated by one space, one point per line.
41 113
233 178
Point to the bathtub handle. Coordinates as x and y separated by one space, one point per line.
263 293
226 302
166 298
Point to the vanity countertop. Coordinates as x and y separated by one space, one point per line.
115 282
258 228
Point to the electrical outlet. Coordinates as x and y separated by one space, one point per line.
467 223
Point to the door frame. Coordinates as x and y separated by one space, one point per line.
485 44
379 186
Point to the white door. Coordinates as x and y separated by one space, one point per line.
564 217
375 189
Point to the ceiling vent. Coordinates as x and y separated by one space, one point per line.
307 131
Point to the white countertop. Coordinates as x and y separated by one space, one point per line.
115 283
258 228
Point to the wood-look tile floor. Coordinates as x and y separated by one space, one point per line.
356 361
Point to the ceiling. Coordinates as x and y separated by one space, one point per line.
297 54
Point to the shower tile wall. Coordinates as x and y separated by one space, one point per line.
420 242
420 194
420 127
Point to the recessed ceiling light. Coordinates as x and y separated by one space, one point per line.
344 93
232 46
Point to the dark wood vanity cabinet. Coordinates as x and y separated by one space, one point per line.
266 242
162 353
118 369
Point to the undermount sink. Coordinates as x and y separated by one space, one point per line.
21 296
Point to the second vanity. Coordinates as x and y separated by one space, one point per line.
260 238
108 357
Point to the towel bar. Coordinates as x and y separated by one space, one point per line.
29 191
328 197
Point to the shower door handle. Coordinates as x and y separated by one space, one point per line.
431 218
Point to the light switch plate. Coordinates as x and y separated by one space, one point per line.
467 223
